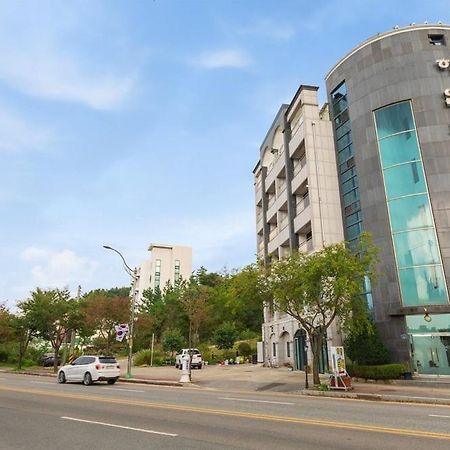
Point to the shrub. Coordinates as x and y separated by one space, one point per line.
244 349
381 372
364 347
142 358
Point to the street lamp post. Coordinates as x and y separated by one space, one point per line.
133 274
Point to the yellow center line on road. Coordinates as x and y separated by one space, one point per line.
227 413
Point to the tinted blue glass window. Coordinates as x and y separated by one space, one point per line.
411 212
342 130
344 141
342 118
340 105
345 154
394 119
353 218
351 197
348 174
338 93
423 286
414 236
404 180
350 184
399 148
353 231
416 248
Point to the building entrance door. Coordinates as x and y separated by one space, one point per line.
300 354
431 353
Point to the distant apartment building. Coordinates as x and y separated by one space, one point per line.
167 265
297 208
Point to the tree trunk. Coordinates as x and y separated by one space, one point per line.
316 348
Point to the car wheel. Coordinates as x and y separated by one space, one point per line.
200 366
61 378
87 379
112 381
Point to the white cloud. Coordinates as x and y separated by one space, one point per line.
16 134
52 269
41 56
223 59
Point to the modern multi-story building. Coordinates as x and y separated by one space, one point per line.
167 265
390 107
297 207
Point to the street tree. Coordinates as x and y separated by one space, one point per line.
326 285
172 341
103 312
46 314
194 300
225 336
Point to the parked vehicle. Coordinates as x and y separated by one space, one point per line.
184 353
87 369
48 359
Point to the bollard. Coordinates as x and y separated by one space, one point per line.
185 378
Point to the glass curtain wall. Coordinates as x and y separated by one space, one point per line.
416 248
348 178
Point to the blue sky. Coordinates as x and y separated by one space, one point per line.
130 122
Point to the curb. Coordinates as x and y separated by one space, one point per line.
155 382
378 397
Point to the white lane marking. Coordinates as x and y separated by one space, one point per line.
438 415
120 389
254 401
42 382
118 426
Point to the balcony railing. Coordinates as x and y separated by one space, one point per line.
306 245
302 204
299 164
273 233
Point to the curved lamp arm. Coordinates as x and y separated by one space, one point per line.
127 268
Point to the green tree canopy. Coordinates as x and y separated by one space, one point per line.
225 336
316 289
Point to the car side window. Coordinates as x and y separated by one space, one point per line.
89 360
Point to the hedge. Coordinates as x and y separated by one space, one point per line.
383 372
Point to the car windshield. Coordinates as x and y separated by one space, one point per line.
107 360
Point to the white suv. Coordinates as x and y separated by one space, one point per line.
196 358
88 369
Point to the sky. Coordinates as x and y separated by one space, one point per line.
130 122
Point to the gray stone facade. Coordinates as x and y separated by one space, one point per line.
393 67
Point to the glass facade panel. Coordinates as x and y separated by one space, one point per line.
439 323
423 286
404 179
416 248
394 119
410 212
399 148
413 233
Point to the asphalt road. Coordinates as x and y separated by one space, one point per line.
36 413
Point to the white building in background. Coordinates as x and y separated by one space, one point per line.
167 264
297 208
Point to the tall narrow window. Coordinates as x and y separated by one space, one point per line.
417 254
177 270
157 273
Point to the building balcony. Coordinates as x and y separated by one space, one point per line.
301 173
302 218
277 239
306 246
